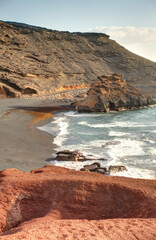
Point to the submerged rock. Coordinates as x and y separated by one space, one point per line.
114 169
110 143
112 93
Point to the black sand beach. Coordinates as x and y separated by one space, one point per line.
22 145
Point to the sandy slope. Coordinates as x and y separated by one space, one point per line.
114 229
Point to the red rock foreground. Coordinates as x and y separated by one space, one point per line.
58 203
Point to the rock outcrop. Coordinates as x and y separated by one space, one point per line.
96 167
112 93
38 61
67 155
56 203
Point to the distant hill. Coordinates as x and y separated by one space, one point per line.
41 61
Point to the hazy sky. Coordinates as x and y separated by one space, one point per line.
131 23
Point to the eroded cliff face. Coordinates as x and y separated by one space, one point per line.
112 93
38 61
113 205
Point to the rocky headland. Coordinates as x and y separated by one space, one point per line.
112 93
38 61
58 203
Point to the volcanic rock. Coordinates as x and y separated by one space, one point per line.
96 167
91 168
102 171
39 61
58 203
114 169
67 155
97 164
112 93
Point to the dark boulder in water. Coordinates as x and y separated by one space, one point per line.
67 155
96 167
91 168
112 93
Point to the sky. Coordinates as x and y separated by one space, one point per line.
132 23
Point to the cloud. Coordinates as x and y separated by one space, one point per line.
139 40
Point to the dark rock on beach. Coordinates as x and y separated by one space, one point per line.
67 155
112 93
97 164
91 168
102 171
96 167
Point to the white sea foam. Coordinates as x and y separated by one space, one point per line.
134 147
63 126
131 172
153 152
71 164
136 173
118 134
79 115
115 124
70 113
126 147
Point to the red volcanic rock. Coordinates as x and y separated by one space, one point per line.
112 93
58 203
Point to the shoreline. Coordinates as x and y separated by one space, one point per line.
23 145
134 171
34 147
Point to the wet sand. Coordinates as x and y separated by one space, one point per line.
22 145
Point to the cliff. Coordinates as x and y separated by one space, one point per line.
112 93
58 203
39 61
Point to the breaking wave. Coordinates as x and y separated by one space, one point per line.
124 138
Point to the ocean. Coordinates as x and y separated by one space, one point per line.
124 138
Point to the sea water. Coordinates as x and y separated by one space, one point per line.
124 138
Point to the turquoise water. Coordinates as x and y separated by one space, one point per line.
125 138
